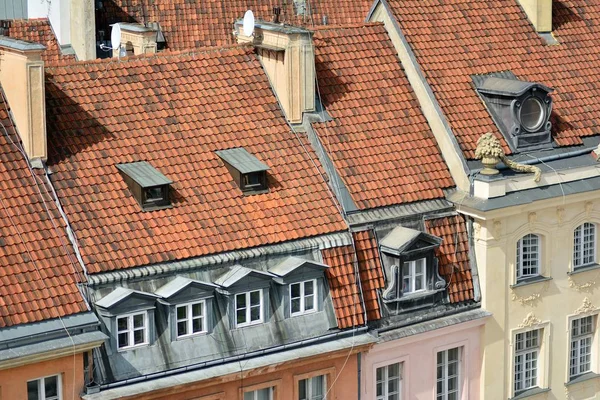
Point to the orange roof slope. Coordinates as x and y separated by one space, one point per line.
38 274
453 256
190 24
371 273
39 31
379 140
175 111
454 39
343 286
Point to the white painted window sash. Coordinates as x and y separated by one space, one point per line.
526 365
444 367
248 308
131 329
303 296
584 245
190 318
385 381
41 388
412 275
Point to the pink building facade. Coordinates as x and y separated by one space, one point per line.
410 360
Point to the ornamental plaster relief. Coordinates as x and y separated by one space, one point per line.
587 286
560 215
530 321
589 207
586 307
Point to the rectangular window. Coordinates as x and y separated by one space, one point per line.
47 388
413 276
132 330
302 297
527 352
191 319
312 388
389 382
248 308
528 256
582 335
448 374
261 394
584 245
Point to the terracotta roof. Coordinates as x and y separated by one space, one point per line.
379 140
343 286
190 24
454 39
371 272
175 111
39 31
453 256
38 275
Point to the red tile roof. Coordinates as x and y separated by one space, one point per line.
343 286
454 39
371 272
175 111
453 256
189 24
39 270
379 140
39 31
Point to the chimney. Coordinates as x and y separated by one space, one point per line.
137 39
83 28
539 13
22 79
288 58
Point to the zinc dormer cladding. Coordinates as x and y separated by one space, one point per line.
248 172
147 184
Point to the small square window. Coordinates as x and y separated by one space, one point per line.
132 331
254 181
191 319
47 388
302 297
248 308
313 388
413 276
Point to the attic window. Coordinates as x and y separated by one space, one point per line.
248 172
520 109
149 187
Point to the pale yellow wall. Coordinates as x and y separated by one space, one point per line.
539 13
83 29
546 304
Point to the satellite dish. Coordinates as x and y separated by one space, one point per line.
248 26
115 36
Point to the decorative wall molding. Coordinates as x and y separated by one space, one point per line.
529 321
589 206
529 300
532 217
497 229
581 287
560 215
586 307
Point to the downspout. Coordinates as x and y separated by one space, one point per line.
358 362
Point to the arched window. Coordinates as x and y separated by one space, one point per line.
528 256
584 245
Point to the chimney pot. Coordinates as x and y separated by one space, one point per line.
276 14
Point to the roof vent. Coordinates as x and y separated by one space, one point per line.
248 172
149 187
520 109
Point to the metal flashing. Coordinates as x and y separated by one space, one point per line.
400 239
43 327
178 284
20 45
240 159
505 86
118 295
318 242
292 263
238 273
378 215
144 174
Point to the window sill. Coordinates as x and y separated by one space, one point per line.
531 281
530 392
584 268
300 314
582 378
249 324
190 336
137 346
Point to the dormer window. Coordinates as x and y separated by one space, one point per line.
520 109
248 172
149 187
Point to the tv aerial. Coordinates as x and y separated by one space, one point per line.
248 24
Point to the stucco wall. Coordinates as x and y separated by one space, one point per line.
418 354
547 304
13 382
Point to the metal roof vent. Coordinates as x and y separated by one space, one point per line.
520 109
149 187
248 172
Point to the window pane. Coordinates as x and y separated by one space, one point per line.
393 385
263 394
51 386
249 396
182 328
419 285
138 336
394 370
123 339
32 390
295 290
309 303
308 288
255 313
122 324
317 386
295 305
240 300
181 312
241 316
138 321
302 389
197 309
197 325
420 266
255 297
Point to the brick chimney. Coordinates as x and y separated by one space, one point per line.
22 79
539 13
288 58
137 39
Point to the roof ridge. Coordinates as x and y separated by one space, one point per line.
346 26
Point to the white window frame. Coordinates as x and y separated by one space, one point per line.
529 355
577 342
584 240
520 259
303 296
445 373
386 379
42 387
412 275
248 309
254 393
130 330
309 387
189 319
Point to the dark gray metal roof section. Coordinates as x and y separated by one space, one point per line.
506 87
240 159
13 9
144 174
20 44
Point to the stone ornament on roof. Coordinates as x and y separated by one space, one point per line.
489 151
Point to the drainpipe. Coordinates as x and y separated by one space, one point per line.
358 362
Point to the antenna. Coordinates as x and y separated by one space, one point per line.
248 25
115 36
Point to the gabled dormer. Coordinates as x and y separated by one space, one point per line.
411 267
